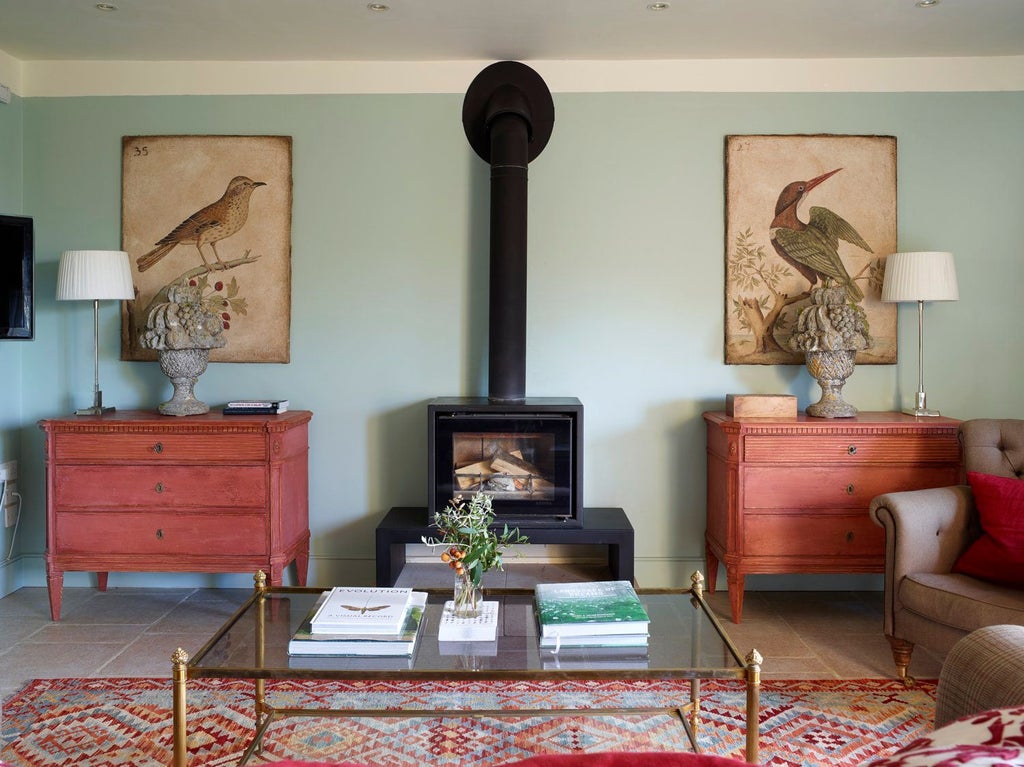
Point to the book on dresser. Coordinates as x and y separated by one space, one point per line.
362 610
306 642
589 609
256 407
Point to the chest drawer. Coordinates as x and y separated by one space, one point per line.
159 487
142 533
834 487
852 448
150 447
794 535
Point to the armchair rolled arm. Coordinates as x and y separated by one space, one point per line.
925 532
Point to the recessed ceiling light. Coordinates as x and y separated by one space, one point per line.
926 3
378 7
106 7
658 6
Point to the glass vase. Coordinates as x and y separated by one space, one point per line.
466 603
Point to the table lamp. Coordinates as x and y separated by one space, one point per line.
94 275
920 276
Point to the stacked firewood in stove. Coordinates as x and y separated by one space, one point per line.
503 472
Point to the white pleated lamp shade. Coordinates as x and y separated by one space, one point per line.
920 276
89 275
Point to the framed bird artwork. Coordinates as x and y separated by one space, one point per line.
213 212
806 211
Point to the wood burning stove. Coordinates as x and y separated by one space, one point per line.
528 456
526 453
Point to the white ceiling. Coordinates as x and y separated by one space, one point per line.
340 30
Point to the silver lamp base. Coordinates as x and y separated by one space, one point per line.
97 406
95 410
920 408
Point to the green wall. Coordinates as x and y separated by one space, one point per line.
389 249
11 203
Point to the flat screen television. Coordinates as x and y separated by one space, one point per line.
17 267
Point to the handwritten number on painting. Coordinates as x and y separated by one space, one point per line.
141 151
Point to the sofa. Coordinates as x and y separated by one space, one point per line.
931 598
983 671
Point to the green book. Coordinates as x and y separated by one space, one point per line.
305 642
589 609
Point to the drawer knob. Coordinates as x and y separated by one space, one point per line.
849 537
159 534
849 489
158 448
159 487
852 450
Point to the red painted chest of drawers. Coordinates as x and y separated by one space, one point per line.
791 495
138 491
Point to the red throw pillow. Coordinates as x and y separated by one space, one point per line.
998 555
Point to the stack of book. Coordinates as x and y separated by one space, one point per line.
361 621
595 614
256 407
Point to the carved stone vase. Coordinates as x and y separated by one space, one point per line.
183 367
466 602
830 368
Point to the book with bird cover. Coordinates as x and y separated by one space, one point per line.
362 610
305 642
589 609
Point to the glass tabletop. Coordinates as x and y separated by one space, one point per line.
686 642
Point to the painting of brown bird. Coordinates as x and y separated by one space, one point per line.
208 225
812 247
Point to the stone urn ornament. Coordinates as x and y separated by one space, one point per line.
830 332
183 331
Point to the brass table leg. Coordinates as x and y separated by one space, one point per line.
179 659
695 705
754 661
262 714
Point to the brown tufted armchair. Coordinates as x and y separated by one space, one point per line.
925 533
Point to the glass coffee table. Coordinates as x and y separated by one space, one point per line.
687 643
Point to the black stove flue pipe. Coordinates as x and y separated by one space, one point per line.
508 116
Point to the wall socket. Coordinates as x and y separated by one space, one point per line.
9 475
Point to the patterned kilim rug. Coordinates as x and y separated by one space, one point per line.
103 722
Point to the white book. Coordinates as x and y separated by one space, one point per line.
305 642
362 610
482 628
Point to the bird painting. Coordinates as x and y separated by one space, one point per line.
812 248
208 225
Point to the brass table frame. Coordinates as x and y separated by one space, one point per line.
748 669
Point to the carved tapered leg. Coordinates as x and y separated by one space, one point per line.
901 652
55 587
736 582
302 564
101 581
